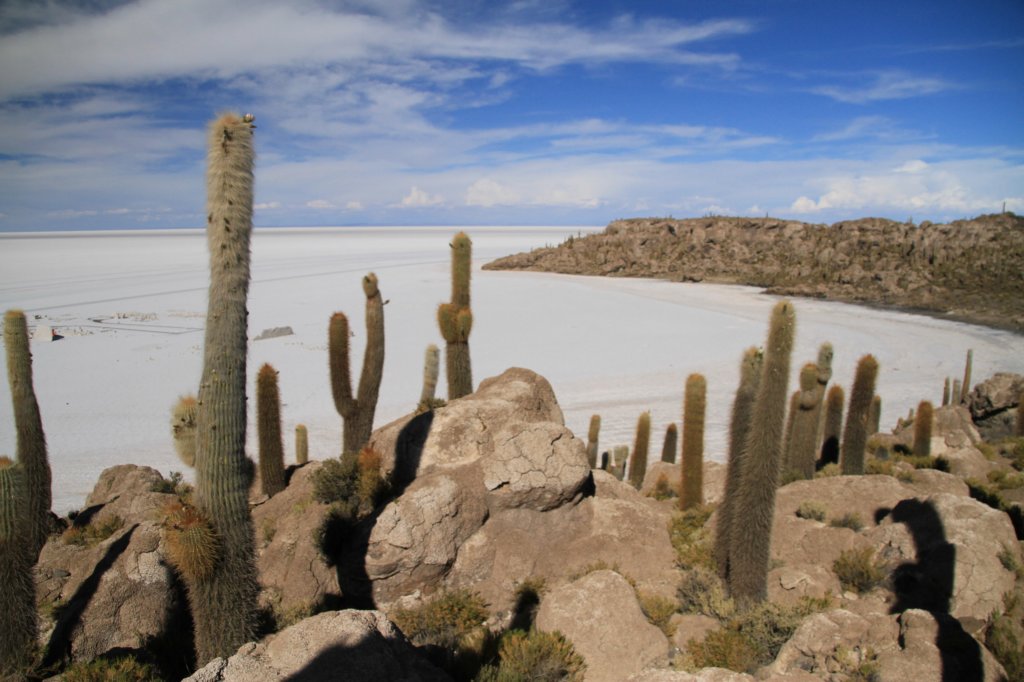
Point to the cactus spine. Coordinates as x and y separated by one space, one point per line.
18 626
28 424
456 320
750 536
803 441
183 428
750 377
945 392
224 602
431 370
833 425
301 444
965 388
357 412
592 434
671 444
694 403
855 435
268 427
923 429
638 462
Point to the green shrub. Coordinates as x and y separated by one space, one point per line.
336 480
658 611
830 469
125 669
849 520
535 657
701 592
925 462
92 533
812 510
693 542
858 570
443 621
1005 636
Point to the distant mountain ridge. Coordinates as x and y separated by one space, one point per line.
970 270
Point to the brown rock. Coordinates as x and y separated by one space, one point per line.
600 615
705 675
358 646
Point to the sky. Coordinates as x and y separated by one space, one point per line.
530 112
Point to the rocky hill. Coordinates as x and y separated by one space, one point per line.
971 270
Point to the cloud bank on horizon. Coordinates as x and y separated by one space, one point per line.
527 112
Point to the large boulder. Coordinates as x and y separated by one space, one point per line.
600 615
992 404
358 646
114 593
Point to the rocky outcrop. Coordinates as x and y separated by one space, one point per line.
117 592
993 404
968 269
499 481
358 646
600 615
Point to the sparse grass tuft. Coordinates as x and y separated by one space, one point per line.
701 591
126 669
828 470
534 657
444 620
850 520
175 484
658 610
1005 635
812 510
691 539
858 570
92 533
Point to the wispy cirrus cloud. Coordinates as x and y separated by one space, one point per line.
887 85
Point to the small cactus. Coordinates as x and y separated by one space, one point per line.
183 429
750 536
824 364
750 377
190 543
455 319
803 440
18 620
358 411
301 444
268 427
875 415
592 439
954 395
671 444
855 435
638 461
965 387
431 370
28 425
923 429
945 392
694 403
832 427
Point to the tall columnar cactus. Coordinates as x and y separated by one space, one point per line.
954 395
431 370
750 378
183 429
224 600
18 625
750 537
855 434
923 429
638 461
301 444
357 412
694 405
268 427
455 319
28 425
592 439
671 444
875 415
803 440
945 392
832 426
965 387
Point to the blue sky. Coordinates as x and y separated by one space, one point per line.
407 112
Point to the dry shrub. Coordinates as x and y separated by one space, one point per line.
658 611
535 657
850 520
702 592
690 538
443 621
1005 635
92 533
858 570
812 510
126 669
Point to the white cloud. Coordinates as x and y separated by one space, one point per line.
419 198
354 205
914 166
320 204
267 206
487 192
886 86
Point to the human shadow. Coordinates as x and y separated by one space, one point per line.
59 646
346 544
365 662
928 584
